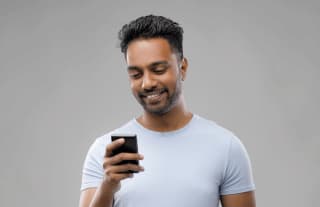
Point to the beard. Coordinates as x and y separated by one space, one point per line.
164 106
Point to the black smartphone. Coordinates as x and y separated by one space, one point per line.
130 146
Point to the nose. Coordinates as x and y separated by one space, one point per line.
148 82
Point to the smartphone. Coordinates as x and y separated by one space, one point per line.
130 146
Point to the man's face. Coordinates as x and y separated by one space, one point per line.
155 74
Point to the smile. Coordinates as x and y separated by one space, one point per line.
153 93
154 96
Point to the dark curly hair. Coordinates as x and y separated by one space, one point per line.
152 26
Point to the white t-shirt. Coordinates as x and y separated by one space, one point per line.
189 167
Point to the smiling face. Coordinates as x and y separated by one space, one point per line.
155 74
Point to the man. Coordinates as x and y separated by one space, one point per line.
189 161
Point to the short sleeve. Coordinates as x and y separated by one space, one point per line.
92 172
237 176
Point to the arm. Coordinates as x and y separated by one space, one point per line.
86 197
237 189
103 195
96 197
246 199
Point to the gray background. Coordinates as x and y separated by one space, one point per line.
254 68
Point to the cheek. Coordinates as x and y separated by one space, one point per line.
172 81
134 86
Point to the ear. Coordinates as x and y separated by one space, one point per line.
184 68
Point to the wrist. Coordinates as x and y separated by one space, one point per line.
108 186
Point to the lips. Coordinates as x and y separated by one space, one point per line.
152 93
154 96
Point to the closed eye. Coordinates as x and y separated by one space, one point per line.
135 75
160 69
134 72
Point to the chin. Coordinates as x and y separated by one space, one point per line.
157 110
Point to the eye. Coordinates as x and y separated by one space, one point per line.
160 69
135 75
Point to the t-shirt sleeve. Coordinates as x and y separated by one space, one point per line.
92 172
237 176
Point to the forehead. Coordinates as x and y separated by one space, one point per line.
142 52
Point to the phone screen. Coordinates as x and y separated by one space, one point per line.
130 146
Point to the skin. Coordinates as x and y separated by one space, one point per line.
155 71
146 76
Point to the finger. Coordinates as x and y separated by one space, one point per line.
112 146
116 159
120 169
123 156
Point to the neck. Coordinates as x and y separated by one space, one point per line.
176 118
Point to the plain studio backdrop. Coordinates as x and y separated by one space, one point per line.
253 68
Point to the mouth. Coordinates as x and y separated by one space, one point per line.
153 96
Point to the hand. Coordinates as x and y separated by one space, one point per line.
113 172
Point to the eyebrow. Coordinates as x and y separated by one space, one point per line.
159 63
133 68
162 62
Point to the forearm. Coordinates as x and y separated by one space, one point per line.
103 197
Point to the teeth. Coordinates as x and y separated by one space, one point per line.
153 95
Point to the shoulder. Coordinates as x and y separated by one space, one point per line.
236 171
214 130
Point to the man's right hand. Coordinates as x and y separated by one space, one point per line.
113 172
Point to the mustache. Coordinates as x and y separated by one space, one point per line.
151 92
